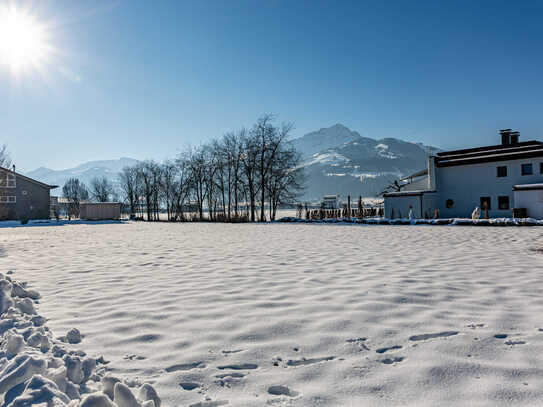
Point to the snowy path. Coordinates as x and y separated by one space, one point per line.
298 315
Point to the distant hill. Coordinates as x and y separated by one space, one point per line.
341 161
85 172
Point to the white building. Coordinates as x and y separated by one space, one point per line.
503 177
331 202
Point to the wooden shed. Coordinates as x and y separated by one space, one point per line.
100 210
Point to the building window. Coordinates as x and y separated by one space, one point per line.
7 180
8 199
526 169
485 202
449 203
502 171
12 183
541 168
503 202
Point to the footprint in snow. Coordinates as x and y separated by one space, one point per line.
242 366
384 350
185 366
390 361
424 337
229 352
282 391
189 385
304 361
133 357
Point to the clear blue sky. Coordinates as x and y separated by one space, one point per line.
144 78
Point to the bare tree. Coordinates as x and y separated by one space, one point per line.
232 151
168 186
128 178
145 175
75 192
5 160
249 159
101 190
198 175
182 186
286 178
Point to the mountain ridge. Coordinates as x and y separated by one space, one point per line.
85 171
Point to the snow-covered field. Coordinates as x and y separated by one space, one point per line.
298 314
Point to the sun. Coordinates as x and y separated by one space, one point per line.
23 40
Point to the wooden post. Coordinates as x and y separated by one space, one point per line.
485 207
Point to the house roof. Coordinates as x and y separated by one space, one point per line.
416 174
527 149
29 179
489 148
407 193
527 187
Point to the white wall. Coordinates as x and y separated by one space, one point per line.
401 204
532 200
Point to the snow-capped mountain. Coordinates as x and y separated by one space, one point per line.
85 172
324 139
340 161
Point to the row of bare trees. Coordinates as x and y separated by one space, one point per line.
244 175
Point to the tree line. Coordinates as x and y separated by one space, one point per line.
244 175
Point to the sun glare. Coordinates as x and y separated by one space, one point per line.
23 42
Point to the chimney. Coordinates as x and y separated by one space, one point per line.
506 137
514 137
13 167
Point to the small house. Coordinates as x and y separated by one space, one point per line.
100 210
23 198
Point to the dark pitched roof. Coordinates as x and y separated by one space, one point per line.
527 187
526 149
29 179
488 148
408 193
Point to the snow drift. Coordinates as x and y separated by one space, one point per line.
37 369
